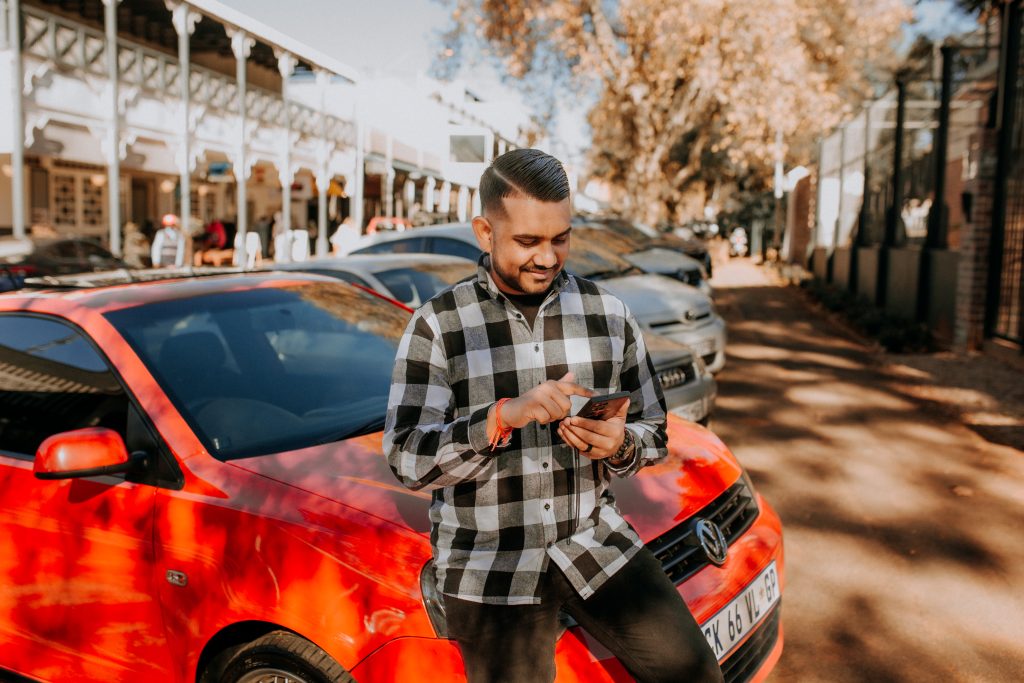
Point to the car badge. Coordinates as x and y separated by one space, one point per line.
690 316
712 540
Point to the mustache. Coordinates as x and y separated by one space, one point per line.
538 269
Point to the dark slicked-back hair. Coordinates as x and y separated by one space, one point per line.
523 173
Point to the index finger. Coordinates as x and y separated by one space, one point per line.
573 389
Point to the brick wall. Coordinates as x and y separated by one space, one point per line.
979 188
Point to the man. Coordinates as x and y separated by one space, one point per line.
168 243
523 522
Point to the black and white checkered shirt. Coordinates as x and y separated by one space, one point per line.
498 516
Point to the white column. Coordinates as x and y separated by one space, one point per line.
475 204
323 176
185 22
113 126
241 46
359 172
17 122
463 207
409 196
286 66
446 197
428 194
387 182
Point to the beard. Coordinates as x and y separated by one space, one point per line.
519 280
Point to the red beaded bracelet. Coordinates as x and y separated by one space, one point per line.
503 433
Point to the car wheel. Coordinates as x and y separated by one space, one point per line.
277 657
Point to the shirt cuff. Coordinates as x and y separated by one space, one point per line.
477 431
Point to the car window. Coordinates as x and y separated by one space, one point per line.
415 284
63 249
271 369
453 247
343 275
411 245
95 252
52 380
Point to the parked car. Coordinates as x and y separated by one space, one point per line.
191 473
411 279
660 304
658 260
651 237
21 258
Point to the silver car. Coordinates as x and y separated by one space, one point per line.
660 304
690 390
648 257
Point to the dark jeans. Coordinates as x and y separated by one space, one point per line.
637 614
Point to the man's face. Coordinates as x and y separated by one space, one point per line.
528 244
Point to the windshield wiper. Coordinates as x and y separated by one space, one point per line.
373 425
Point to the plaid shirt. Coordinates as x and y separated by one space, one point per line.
499 516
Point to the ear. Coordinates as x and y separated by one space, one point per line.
484 231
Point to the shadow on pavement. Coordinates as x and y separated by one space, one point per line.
902 526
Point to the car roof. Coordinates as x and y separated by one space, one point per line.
461 231
126 294
372 263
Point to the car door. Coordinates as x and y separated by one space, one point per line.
76 555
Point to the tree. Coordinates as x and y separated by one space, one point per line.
690 92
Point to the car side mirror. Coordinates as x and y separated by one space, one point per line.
85 452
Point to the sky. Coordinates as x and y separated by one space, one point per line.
403 36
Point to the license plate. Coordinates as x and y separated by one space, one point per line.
732 623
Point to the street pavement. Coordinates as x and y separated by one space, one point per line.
904 529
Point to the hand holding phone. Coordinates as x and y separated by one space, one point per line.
603 407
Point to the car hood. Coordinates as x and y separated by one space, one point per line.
657 299
355 474
659 260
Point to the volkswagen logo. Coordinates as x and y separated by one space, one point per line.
690 316
712 540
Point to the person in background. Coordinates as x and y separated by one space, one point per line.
168 244
345 237
136 246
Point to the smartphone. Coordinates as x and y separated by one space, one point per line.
603 407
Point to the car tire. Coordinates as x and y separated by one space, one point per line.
278 652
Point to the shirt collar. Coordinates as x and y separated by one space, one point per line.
484 278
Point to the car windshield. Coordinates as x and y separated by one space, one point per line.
414 284
590 260
271 369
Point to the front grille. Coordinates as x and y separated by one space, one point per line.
679 551
747 659
677 376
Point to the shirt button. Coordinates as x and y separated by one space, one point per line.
546 465
547 506
543 426
536 347
550 544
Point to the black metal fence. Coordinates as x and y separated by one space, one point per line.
1004 318
892 210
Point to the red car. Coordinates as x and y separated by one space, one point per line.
192 489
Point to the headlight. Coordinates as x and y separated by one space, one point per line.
433 601
745 476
